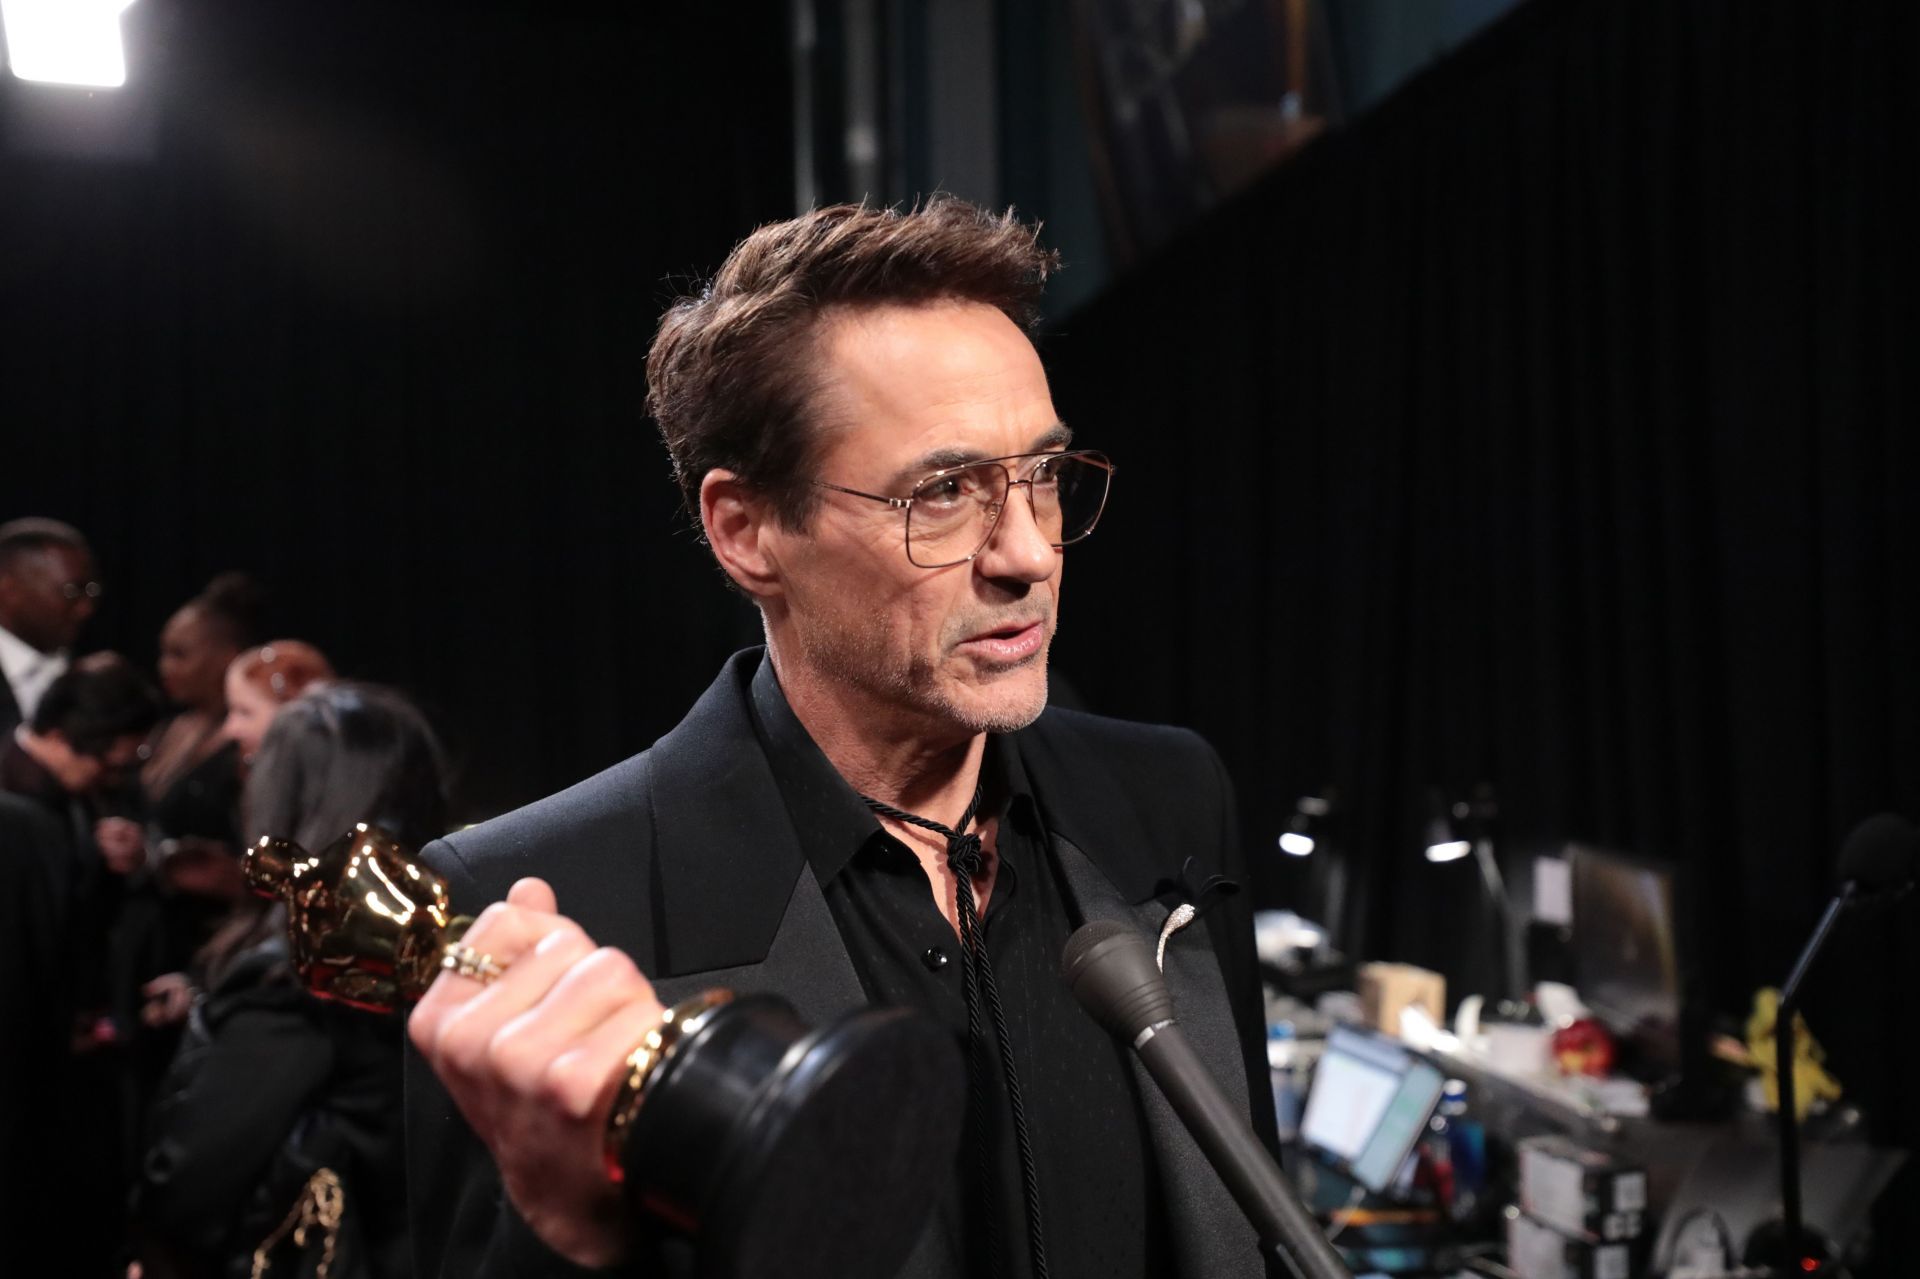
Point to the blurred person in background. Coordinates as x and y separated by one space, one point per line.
192 776
262 680
191 798
47 593
32 976
273 1092
257 684
82 744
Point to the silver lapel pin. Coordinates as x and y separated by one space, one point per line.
1177 918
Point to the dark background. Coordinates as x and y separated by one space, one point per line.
1552 426
371 322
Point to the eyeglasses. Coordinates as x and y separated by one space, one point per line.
951 514
74 590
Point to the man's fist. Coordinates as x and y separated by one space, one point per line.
533 1060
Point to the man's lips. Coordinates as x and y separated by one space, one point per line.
1010 641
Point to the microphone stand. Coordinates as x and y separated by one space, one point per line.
1788 1119
1287 1231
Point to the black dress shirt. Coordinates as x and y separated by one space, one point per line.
1101 1207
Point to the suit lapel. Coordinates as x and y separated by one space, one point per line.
807 964
1211 1237
737 905
725 853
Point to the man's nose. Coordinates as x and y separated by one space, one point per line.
1017 548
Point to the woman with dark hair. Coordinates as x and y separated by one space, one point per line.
192 775
190 795
279 1108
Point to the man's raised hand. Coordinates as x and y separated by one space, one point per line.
533 1059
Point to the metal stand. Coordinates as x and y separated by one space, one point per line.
1789 1121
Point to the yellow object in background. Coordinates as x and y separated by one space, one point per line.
1810 1078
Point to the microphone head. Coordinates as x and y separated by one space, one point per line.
1110 969
1879 856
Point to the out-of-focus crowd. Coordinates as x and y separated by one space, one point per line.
172 1103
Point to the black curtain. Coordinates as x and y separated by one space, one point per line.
370 321
1552 427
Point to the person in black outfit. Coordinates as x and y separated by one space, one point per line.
190 803
33 1015
879 807
79 749
192 776
270 1085
83 742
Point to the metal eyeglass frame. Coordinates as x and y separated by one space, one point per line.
905 504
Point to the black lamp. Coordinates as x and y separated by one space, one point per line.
1307 827
1309 834
1465 827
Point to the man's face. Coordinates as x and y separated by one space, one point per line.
44 598
907 391
81 772
120 761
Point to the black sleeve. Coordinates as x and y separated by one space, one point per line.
32 1017
227 1106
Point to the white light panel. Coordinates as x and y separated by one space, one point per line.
73 42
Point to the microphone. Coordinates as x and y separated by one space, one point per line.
1111 970
1879 856
1876 861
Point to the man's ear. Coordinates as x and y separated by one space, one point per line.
737 522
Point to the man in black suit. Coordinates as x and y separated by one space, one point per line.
47 593
850 407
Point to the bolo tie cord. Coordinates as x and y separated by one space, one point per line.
966 859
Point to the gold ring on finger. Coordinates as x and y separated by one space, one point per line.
467 962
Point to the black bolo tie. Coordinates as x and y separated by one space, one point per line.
966 860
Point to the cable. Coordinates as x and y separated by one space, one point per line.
1344 1216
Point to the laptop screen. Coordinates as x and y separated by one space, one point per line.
1369 1103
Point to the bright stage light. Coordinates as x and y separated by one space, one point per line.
1296 843
1449 850
66 41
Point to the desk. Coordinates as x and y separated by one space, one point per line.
1730 1166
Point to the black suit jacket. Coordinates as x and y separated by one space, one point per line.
10 717
685 857
33 1005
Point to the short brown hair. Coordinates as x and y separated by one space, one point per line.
729 376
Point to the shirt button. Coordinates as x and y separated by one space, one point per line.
935 959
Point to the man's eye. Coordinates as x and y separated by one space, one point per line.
948 488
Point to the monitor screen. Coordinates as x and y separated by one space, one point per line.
1624 955
1369 1102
